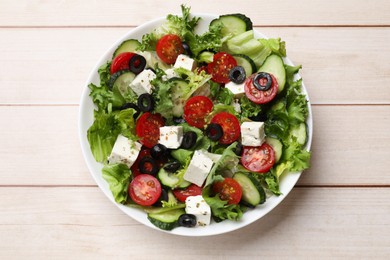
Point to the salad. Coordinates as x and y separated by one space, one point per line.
198 128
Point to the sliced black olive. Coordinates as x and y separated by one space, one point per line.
148 165
159 151
137 63
163 197
187 49
214 131
237 75
238 150
189 140
131 105
172 166
145 102
178 120
257 82
187 220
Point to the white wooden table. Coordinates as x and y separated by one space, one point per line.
52 208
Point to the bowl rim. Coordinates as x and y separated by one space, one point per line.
215 228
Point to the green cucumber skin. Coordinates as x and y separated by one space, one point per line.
246 62
126 46
275 66
167 220
276 145
252 191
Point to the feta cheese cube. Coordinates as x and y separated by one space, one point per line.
237 89
252 133
199 167
171 136
141 83
183 61
124 151
198 207
170 73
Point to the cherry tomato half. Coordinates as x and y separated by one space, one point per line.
230 126
258 159
221 66
228 189
196 109
145 189
121 62
148 128
169 47
192 190
259 96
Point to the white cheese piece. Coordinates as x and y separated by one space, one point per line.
141 83
198 207
237 106
199 167
183 61
170 73
237 89
124 151
252 133
171 136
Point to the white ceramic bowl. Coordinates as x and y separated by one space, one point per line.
86 119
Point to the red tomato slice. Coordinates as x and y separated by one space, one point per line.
228 189
192 190
148 129
230 126
121 62
221 66
196 109
169 47
145 189
258 159
259 96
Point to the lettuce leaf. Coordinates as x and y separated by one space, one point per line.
277 46
248 108
162 97
174 24
219 208
118 177
106 128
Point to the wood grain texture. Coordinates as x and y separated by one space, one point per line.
347 148
81 222
103 13
339 64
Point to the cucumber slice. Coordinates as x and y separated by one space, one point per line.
276 145
127 46
274 65
178 89
121 80
171 180
246 62
166 220
252 192
300 132
233 24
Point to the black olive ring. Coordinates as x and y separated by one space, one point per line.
137 63
258 77
152 170
214 131
145 102
187 220
189 140
237 74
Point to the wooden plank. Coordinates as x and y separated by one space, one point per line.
81 222
339 63
300 12
350 146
